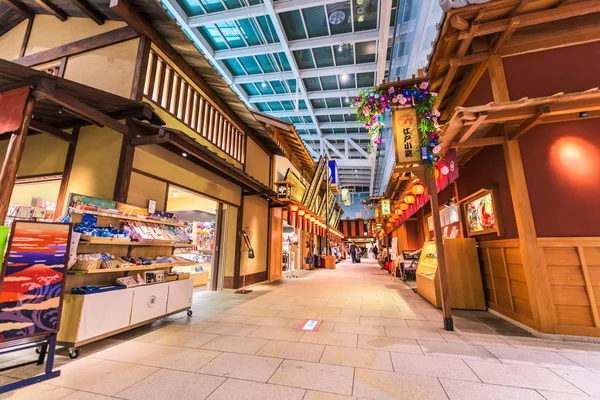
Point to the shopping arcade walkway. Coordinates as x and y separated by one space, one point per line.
378 340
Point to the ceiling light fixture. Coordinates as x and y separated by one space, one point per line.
184 154
344 77
263 84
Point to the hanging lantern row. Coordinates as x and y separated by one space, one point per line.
305 220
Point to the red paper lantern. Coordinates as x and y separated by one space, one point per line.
403 206
410 199
418 189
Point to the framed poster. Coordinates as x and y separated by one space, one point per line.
482 213
31 289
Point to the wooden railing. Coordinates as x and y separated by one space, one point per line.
172 92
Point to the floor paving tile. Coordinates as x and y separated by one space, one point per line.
169 384
229 318
292 351
536 358
363 358
101 376
564 396
522 376
222 328
330 338
242 366
287 334
399 345
588 382
379 385
374 330
326 326
180 358
199 326
85 396
460 390
235 344
38 391
235 389
313 395
268 321
347 319
589 361
413 333
320 377
186 339
456 350
439 367
130 352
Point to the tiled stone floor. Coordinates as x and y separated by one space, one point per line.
379 340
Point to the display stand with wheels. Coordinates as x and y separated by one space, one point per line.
31 294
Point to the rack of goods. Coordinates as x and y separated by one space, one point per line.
464 277
121 270
202 236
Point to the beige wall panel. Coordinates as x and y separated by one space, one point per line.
256 212
257 162
110 68
71 30
96 162
11 42
164 164
143 188
230 229
43 154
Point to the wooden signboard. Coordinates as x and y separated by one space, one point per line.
407 139
297 187
315 184
32 285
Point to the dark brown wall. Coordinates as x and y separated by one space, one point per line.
412 235
562 168
487 170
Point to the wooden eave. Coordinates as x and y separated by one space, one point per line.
178 142
491 124
290 143
471 35
63 104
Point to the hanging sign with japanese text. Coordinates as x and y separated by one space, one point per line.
385 207
406 136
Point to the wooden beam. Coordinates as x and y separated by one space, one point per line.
26 36
464 89
517 10
12 158
50 130
589 288
476 143
529 124
66 176
82 109
96 15
125 164
498 79
31 82
538 17
161 138
472 128
536 274
505 36
52 9
141 67
470 59
21 8
460 23
70 49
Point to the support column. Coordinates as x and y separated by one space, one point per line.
125 165
439 249
64 183
12 159
536 274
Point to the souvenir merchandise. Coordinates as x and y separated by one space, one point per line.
157 276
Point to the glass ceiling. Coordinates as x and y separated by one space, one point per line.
304 63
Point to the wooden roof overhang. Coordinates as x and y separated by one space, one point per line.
472 36
289 142
178 142
472 128
63 104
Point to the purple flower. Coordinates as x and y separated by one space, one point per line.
371 100
378 141
358 99
433 137
383 99
427 115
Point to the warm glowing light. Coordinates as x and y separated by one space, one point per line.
418 189
312 219
410 199
301 212
403 206
576 160
307 216
294 208
399 212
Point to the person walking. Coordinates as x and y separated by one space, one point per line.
375 251
353 253
383 258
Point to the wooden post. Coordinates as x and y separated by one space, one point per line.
12 159
536 275
439 249
64 183
125 165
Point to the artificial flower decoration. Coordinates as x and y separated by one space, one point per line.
445 170
371 105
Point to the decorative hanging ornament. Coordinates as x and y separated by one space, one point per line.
445 170
418 189
398 212
410 199
403 206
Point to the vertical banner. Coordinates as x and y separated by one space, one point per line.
407 141
34 273
12 104
386 209
333 172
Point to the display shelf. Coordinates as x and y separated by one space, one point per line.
129 269
124 242
128 218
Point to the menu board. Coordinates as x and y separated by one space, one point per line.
481 213
297 187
